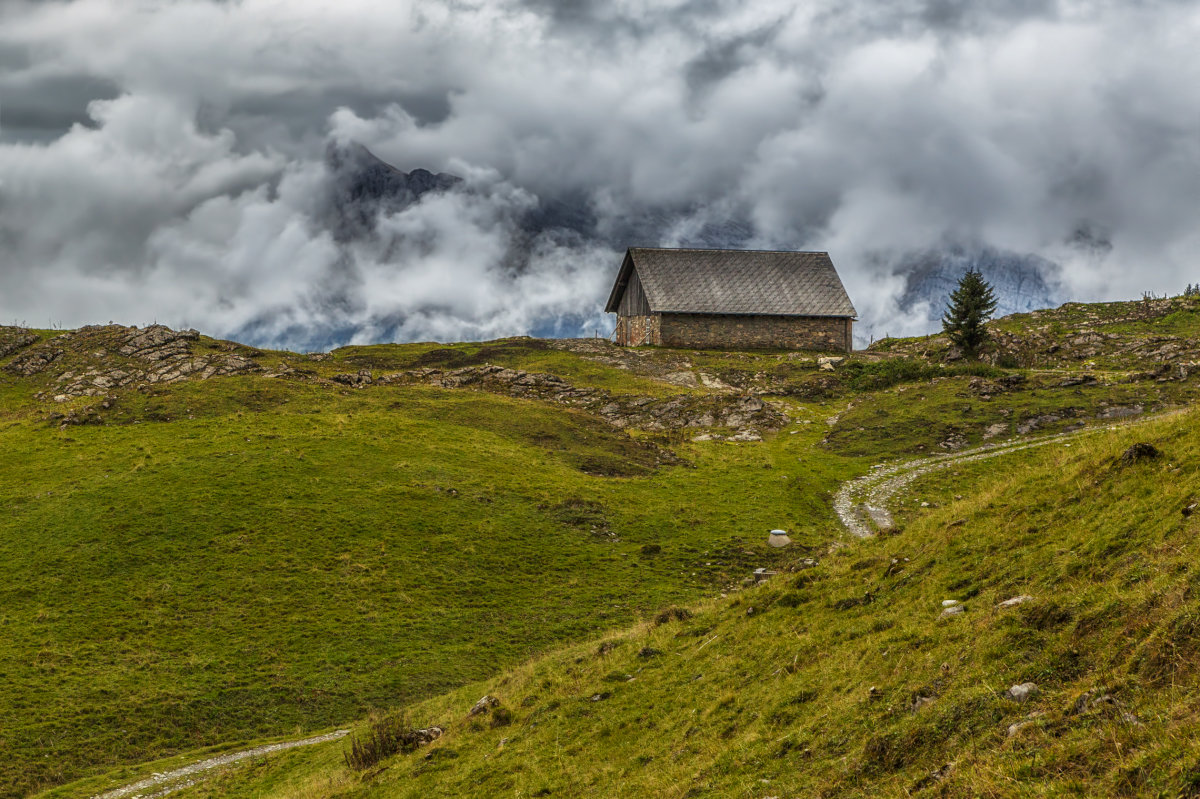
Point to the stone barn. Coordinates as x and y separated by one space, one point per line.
731 299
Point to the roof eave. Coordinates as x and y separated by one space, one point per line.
614 297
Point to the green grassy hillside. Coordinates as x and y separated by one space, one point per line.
208 562
206 545
845 680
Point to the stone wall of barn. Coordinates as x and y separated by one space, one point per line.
735 332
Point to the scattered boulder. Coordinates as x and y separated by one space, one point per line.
955 441
1021 693
1028 721
428 735
486 703
1121 412
952 610
1029 425
361 379
921 702
994 430
1017 600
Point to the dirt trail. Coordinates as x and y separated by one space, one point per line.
862 503
177 779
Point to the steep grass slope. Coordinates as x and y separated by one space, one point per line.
846 680
204 545
221 560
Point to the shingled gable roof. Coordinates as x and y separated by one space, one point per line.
753 282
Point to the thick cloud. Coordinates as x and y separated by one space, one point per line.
167 160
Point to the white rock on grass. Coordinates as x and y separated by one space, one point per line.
1017 600
1022 693
1029 721
949 603
953 610
483 705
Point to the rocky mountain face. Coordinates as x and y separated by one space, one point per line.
1022 283
364 187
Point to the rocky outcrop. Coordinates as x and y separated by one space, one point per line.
33 362
15 339
1110 334
741 412
96 360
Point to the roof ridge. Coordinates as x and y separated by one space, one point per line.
726 249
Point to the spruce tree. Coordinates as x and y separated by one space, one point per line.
971 304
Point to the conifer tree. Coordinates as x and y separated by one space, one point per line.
971 304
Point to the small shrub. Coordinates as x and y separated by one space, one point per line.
1139 452
672 614
386 736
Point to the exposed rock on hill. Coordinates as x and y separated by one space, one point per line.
97 359
14 339
745 413
1113 334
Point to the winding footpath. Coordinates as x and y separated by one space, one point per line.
177 779
862 503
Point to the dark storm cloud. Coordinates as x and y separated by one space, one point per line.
721 59
46 107
166 160
963 15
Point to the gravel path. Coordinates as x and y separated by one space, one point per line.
177 779
862 503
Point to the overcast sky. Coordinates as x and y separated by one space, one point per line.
163 160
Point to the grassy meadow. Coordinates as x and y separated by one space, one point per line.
844 680
279 557
210 564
